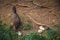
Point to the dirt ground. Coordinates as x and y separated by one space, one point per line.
39 12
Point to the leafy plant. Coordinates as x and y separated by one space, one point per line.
7 34
33 36
51 35
57 25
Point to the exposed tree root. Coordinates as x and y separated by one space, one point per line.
36 21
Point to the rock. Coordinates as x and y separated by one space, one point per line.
19 33
41 28
40 31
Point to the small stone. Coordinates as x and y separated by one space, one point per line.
42 28
40 31
19 33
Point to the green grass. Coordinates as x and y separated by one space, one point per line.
51 35
32 36
57 25
8 34
27 27
48 35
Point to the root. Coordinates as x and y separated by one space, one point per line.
36 21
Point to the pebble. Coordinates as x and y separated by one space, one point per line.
19 33
42 28
40 31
